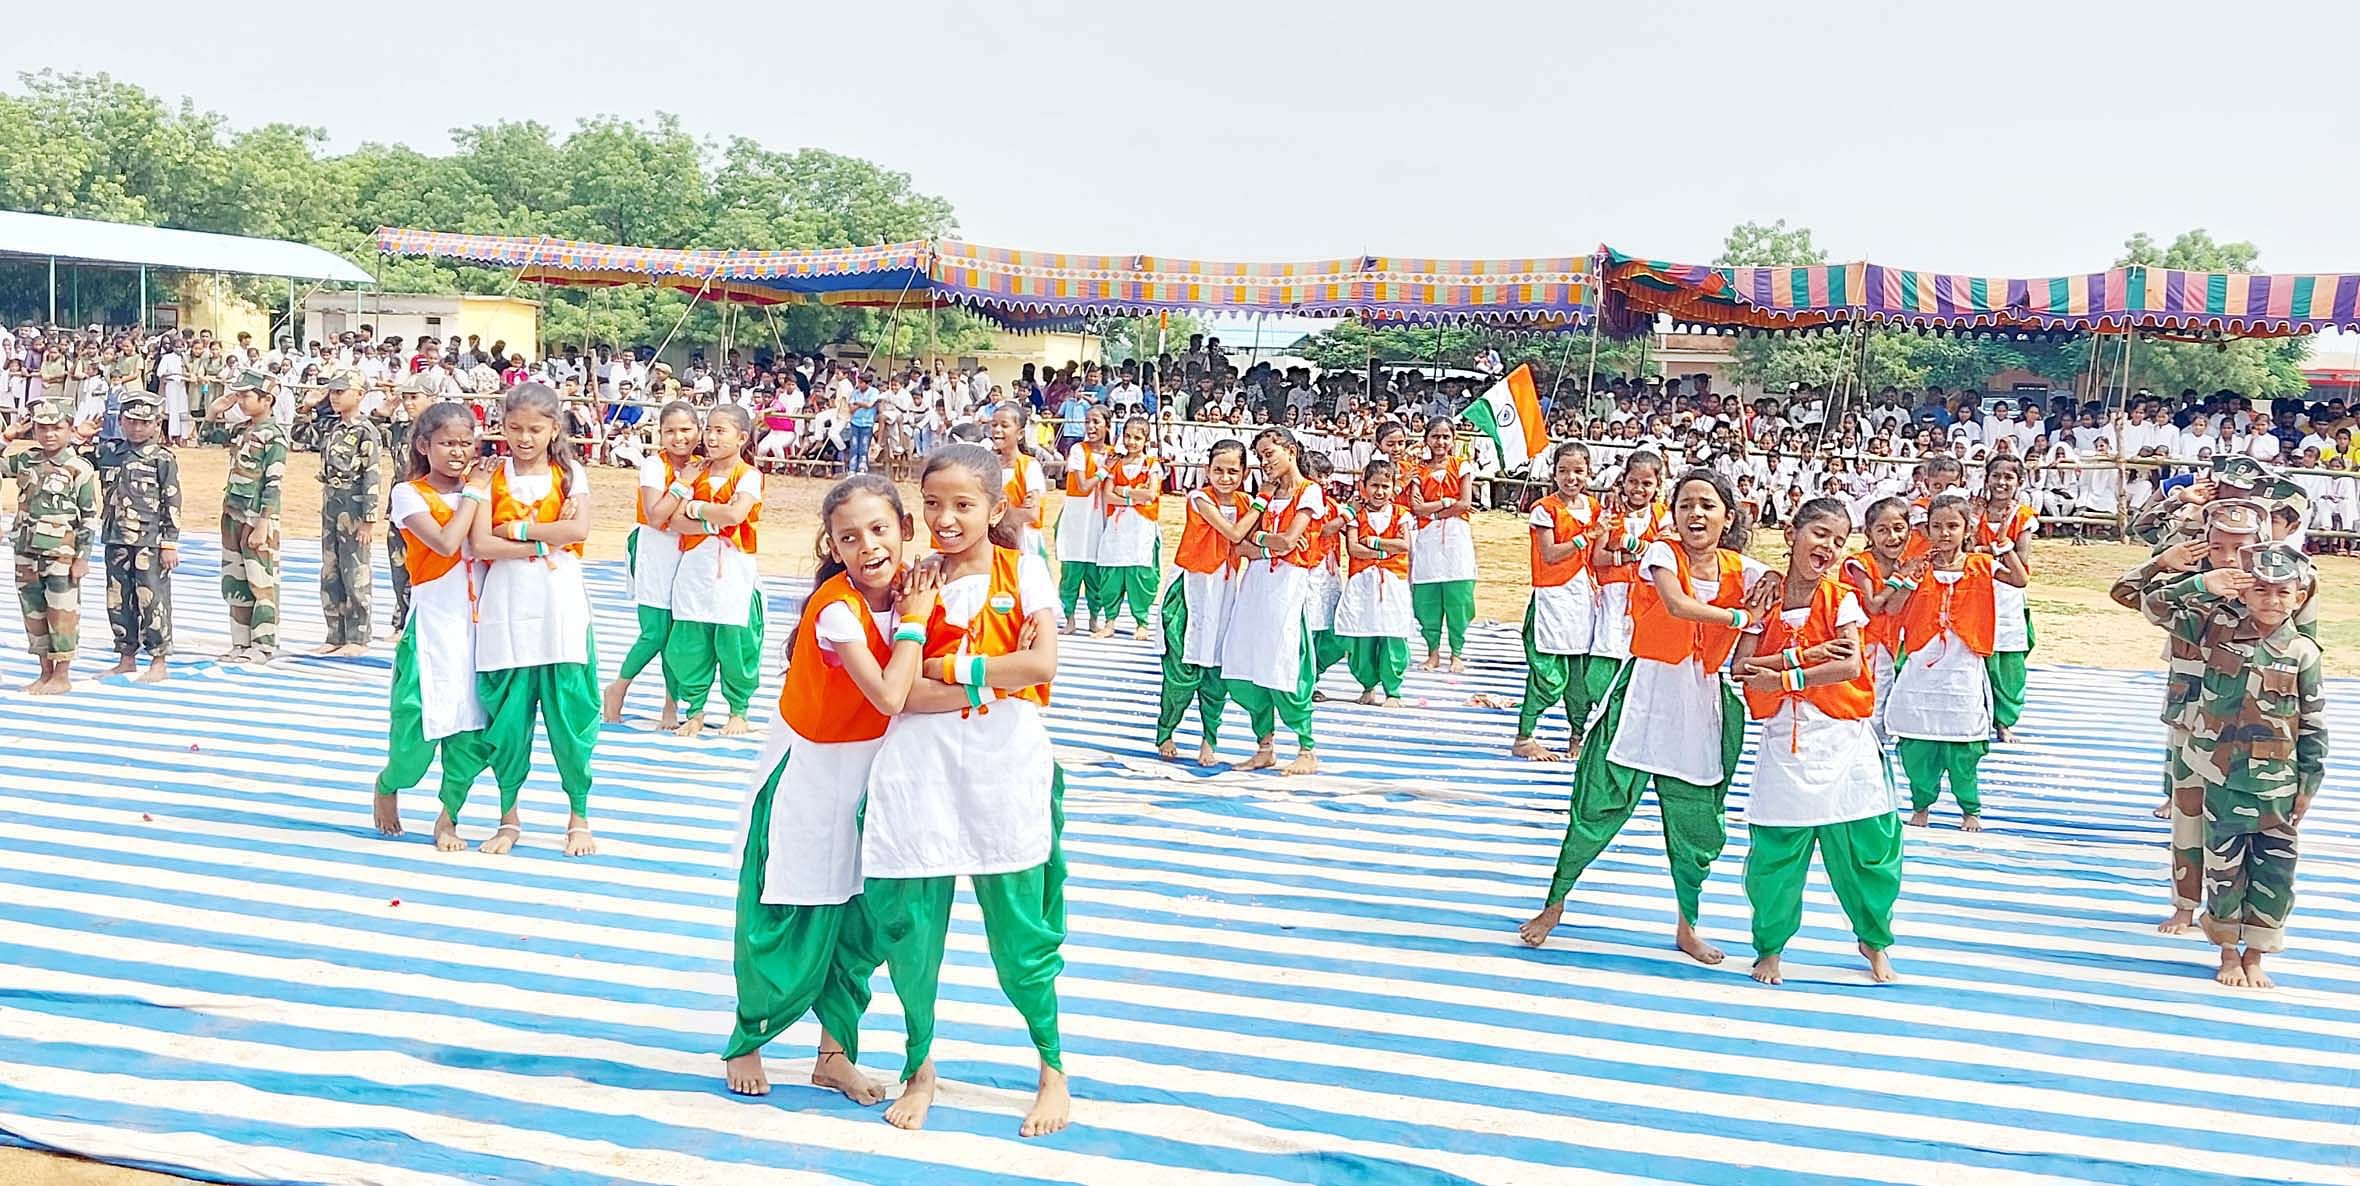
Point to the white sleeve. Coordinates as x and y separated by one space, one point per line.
1750 570
1850 613
651 474
1036 590
1034 484
838 626
1658 555
1541 518
406 503
1314 501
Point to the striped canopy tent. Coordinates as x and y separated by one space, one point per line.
2165 301
1038 290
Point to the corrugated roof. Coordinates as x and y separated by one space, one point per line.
46 235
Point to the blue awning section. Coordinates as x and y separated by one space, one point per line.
46 236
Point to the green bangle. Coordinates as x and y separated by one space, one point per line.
975 673
540 548
916 634
1738 619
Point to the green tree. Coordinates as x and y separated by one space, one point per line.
2253 366
1352 344
1128 339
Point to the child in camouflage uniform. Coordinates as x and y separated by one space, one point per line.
250 521
352 468
56 518
2255 742
140 530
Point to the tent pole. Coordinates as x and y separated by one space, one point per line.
932 340
143 301
52 290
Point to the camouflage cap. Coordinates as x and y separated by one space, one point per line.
340 381
2280 564
143 407
2236 516
49 412
2238 470
250 380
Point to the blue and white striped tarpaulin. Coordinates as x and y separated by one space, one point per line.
209 961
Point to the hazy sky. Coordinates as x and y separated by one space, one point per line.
2013 139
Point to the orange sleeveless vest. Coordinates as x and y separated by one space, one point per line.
1141 480
1618 528
1202 549
819 701
1396 563
1087 474
2013 530
1307 553
737 535
507 508
995 629
1882 628
426 565
1962 607
1657 635
671 475
1566 528
1853 700
1439 484
1014 487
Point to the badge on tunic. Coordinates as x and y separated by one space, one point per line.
1003 603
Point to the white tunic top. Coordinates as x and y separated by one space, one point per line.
717 581
1812 768
1671 714
1128 537
953 794
655 552
1078 521
815 811
1269 625
1564 617
1375 603
442 636
534 611
1943 693
1442 550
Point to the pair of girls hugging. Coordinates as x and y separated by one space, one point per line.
909 751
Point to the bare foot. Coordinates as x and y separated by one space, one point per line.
55 685
1531 750
917 1095
1263 759
1970 823
1766 970
327 649
1306 762
690 727
1137 635
1695 947
735 726
2162 810
2232 970
124 666
1104 630
1880 967
1433 662
503 839
1535 930
613 707
1372 696
2254 976
388 815
2181 919
1318 697
1458 666
1917 819
1052 1108
1392 701
156 672
28 686
836 1073
745 1074
1168 751
352 650
1205 755
2002 733
671 715
578 840
446 834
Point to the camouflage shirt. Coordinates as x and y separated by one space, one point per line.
257 468
2254 712
142 494
2131 591
56 502
352 458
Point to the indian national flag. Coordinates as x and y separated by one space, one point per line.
1510 414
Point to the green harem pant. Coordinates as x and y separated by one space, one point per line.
1327 649
1114 586
1863 859
565 697
793 960
408 753
1023 925
1441 606
1184 681
1925 762
655 628
1550 680
2006 669
1265 708
696 649
1377 662
1605 794
1598 673
1077 582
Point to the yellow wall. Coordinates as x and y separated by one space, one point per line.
502 319
207 303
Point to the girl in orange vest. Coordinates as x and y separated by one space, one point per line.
804 939
654 553
1886 524
1940 703
533 652
717 593
1130 545
965 782
1820 779
1027 490
1078 523
1671 717
1266 650
1196 603
1630 517
434 706
1442 548
1327 575
1373 616
1561 618
2007 519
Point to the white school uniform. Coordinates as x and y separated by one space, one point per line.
815 836
954 793
1943 693
1811 768
1565 617
1610 635
655 552
1374 603
1671 713
442 630
1079 522
717 581
534 610
1443 549
1128 537
1262 643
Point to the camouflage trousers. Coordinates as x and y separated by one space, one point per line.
139 600
398 565
2184 803
250 583
52 603
346 584
2249 859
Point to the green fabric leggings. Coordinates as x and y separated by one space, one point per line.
794 960
1863 859
1443 606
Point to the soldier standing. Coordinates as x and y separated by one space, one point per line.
250 521
56 518
352 470
414 402
140 531
2256 743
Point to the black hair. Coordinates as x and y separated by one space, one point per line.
1646 457
1569 448
1227 445
1387 429
985 466
842 492
1317 466
432 420
1998 460
1876 510
1286 440
1941 462
745 426
1821 508
1734 536
1377 467
538 397
1948 502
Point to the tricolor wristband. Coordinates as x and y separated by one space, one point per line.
1793 679
1792 657
477 495
953 670
540 548
909 632
975 675
2002 546
680 491
1738 619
